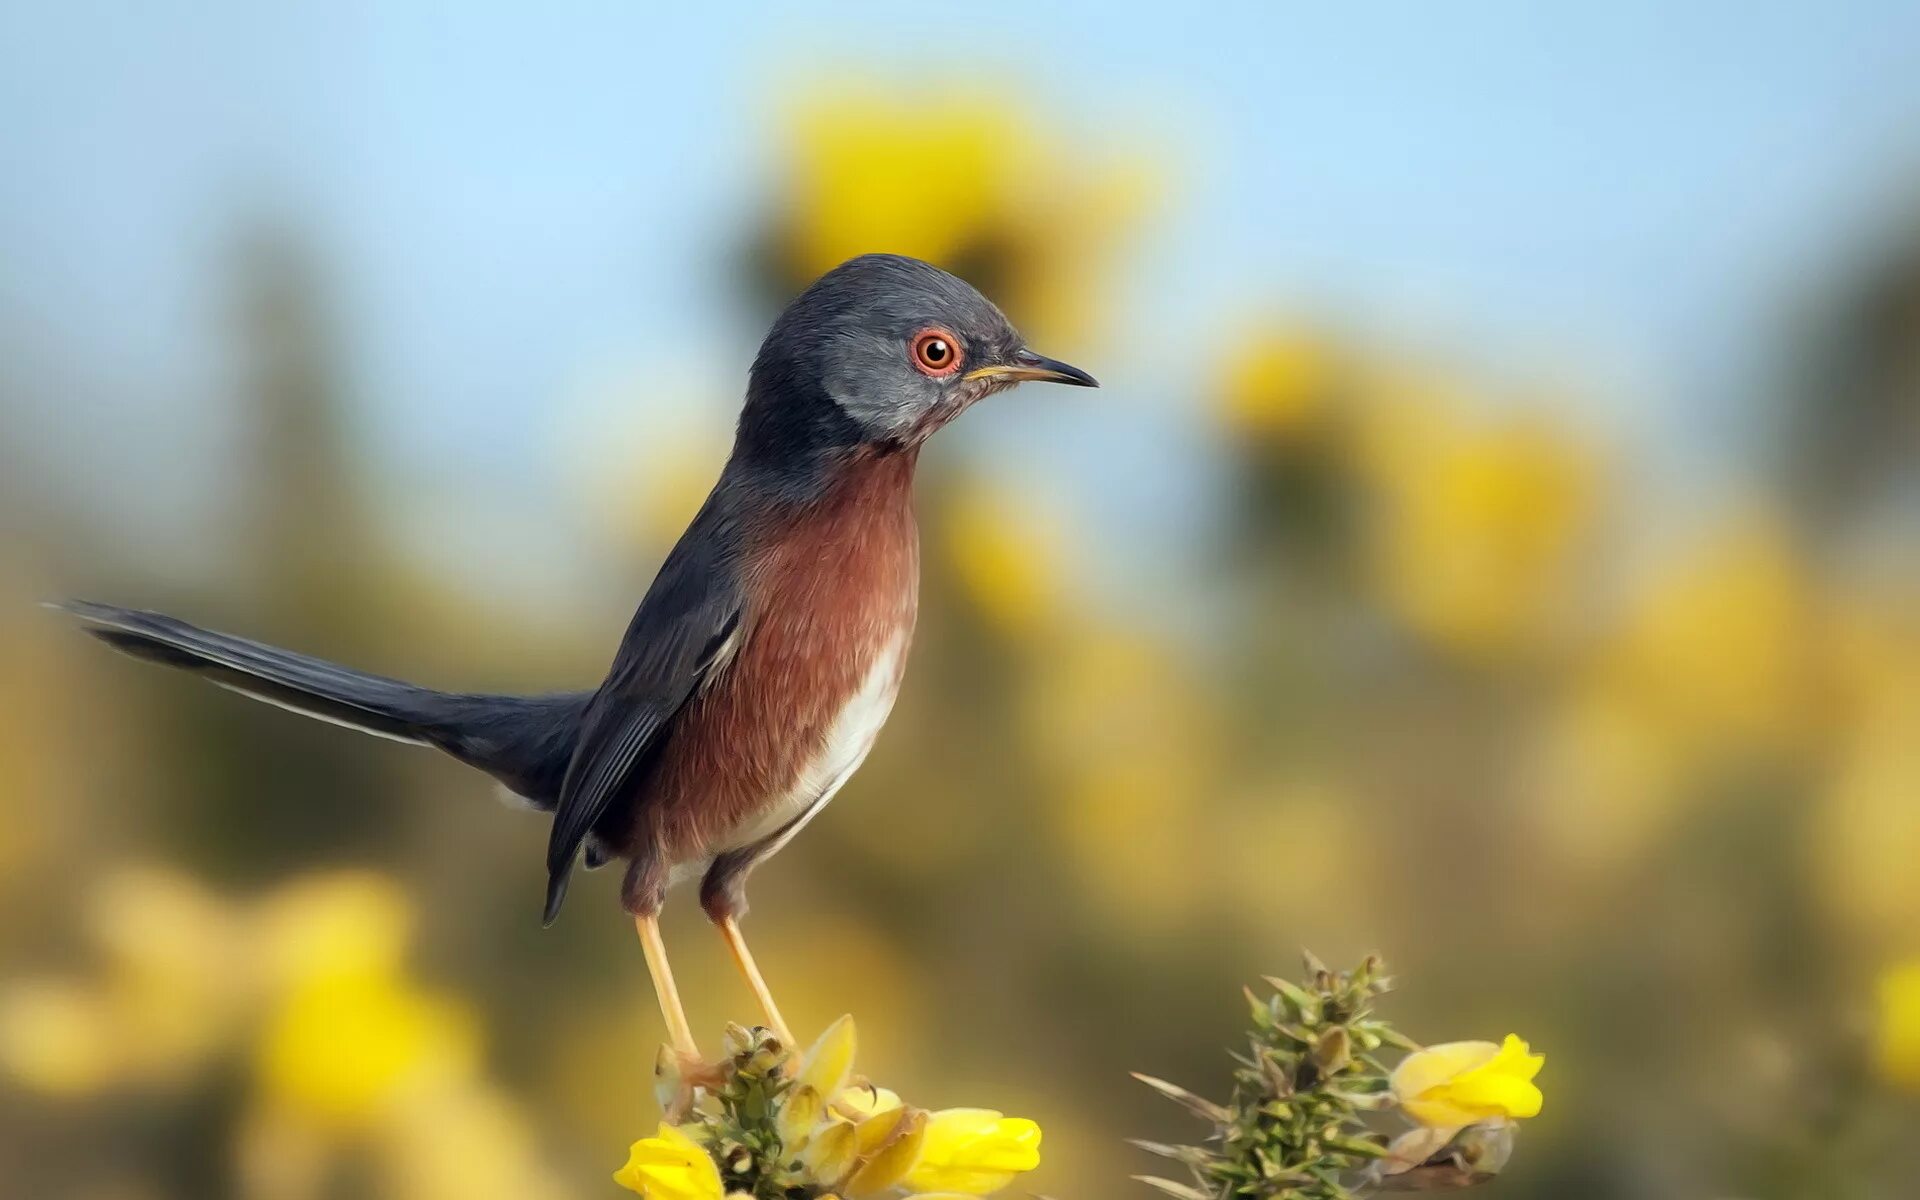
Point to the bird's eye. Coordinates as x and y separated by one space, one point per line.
936 352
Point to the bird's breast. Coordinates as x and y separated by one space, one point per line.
831 593
839 752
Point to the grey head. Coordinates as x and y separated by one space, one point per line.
883 349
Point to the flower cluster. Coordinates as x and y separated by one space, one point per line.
1296 1125
772 1129
348 1062
1023 211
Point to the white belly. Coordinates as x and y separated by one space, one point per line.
841 752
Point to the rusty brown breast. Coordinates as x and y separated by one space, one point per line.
831 590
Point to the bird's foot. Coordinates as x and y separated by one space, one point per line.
699 1073
679 1076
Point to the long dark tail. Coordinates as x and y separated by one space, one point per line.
523 741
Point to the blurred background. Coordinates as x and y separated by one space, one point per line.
1495 546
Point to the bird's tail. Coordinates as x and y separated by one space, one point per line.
523 741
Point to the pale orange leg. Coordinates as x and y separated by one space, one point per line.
730 931
677 1028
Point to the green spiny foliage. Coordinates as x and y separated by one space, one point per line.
1294 1127
737 1119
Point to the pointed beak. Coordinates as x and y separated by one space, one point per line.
1026 366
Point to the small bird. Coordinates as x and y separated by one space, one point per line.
764 658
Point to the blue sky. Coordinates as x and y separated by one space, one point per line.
514 205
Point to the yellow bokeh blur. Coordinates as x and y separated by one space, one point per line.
1361 612
347 1050
1010 555
962 177
1897 1040
1279 382
1478 524
1713 646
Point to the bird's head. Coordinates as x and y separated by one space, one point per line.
887 349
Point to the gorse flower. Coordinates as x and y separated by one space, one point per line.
967 1151
1012 206
352 1057
670 1166
342 1051
974 1151
348 1035
1459 1083
1897 1044
1279 384
773 1128
1295 1126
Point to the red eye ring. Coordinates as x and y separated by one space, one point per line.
935 352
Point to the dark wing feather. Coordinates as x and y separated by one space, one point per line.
672 644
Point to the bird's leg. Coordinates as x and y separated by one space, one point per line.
689 1073
677 1028
730 931
723 896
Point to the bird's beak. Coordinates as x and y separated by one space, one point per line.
1027 366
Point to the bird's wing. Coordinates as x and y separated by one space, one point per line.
677 636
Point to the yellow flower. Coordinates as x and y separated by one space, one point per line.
859 177
1460 1083
829 1061
334 924
1278 385
830 1153
1007 205
801 1109
887 1146
974 1151
864 1100
831 1135
347 1051
1897 1052
670 1166
861 1140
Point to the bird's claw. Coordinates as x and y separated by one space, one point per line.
678 1078
699 1073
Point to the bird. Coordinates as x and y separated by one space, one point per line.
765 656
